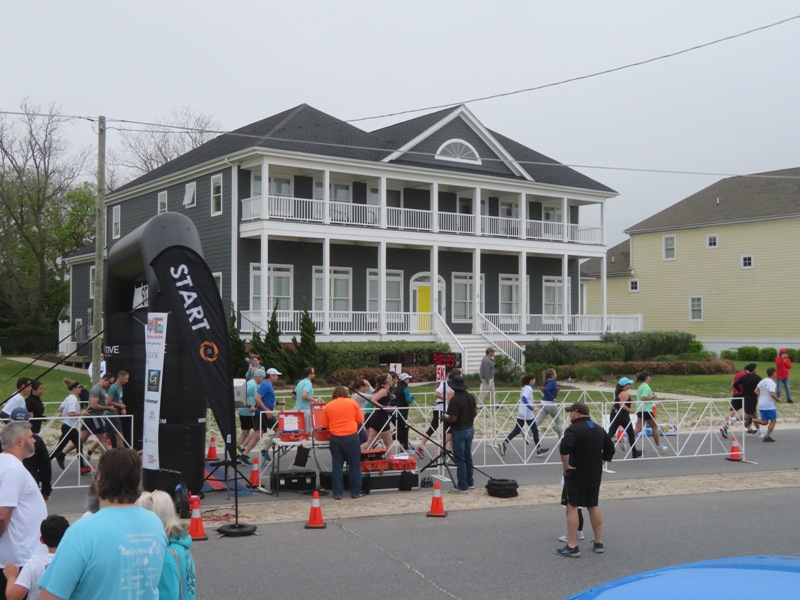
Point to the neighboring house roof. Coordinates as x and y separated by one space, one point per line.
774 194
618 262
83 253
307 130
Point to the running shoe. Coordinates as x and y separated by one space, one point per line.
501 448
724 432
768 438
544 451
564 538
243 458
458 491
420 451
60 460
597 547
752 431
661 447
86 470
569 552
265 455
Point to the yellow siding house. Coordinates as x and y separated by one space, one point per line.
723 264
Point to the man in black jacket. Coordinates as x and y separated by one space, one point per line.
585 448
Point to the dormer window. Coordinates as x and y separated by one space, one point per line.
458 151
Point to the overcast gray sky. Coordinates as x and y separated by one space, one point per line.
729 108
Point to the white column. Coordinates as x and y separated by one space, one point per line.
382 287
523 216
523 292
326 284
603 293
565 217
264 213
435 207
382 194
234 264
564 292
476 210
603 223
435 280
326 197
265 302
476 288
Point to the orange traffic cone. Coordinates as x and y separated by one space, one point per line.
212 449
315 516
196 530
437 505
255 474
736 451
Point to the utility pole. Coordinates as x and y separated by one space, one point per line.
99 250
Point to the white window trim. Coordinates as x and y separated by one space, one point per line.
702 310
217 275
664 247
752 261
214 180
274 270
116 222
340 184
255 291
163 202
458 275
272 180
559 214
190 195
631 283
550 281
470 147
711 236
91 282
335 273
390 275
512 280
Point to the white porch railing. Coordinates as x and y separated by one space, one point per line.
368 215
448 337
501 341
577 324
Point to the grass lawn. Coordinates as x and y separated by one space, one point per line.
53 382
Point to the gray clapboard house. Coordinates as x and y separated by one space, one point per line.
435 228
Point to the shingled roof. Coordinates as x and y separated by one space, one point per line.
308 130
774 194
618 262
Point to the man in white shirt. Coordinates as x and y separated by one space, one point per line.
102 368
767 397
18 399
22 507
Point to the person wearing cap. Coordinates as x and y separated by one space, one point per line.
38 465
486 374
263 411
584 449
17 400
783 365
461 413
621 413
22 507
402 399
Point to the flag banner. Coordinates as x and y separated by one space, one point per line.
155 344
189 290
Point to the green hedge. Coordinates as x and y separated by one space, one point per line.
557 352
357 355
645 345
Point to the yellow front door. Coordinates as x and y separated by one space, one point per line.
424 308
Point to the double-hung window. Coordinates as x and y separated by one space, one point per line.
462 304
340 291
216 195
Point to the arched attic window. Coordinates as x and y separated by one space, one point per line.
458 151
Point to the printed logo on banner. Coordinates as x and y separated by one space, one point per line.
209 351
153 380
155 325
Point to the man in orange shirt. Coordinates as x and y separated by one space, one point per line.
343 417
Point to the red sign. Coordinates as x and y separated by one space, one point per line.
441 373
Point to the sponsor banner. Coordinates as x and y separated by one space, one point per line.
155 344
196 309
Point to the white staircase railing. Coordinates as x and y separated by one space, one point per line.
444 333
501 341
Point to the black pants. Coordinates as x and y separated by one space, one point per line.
400 417
69 434
518 429
621 418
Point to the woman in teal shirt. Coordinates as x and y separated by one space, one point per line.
644 408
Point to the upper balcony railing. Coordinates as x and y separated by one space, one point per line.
411 219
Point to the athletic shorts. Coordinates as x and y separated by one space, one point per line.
645 416
587 497
737 403
769 415
246 421
750 406
266 422
95 425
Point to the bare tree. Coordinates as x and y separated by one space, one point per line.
183 129
44 213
